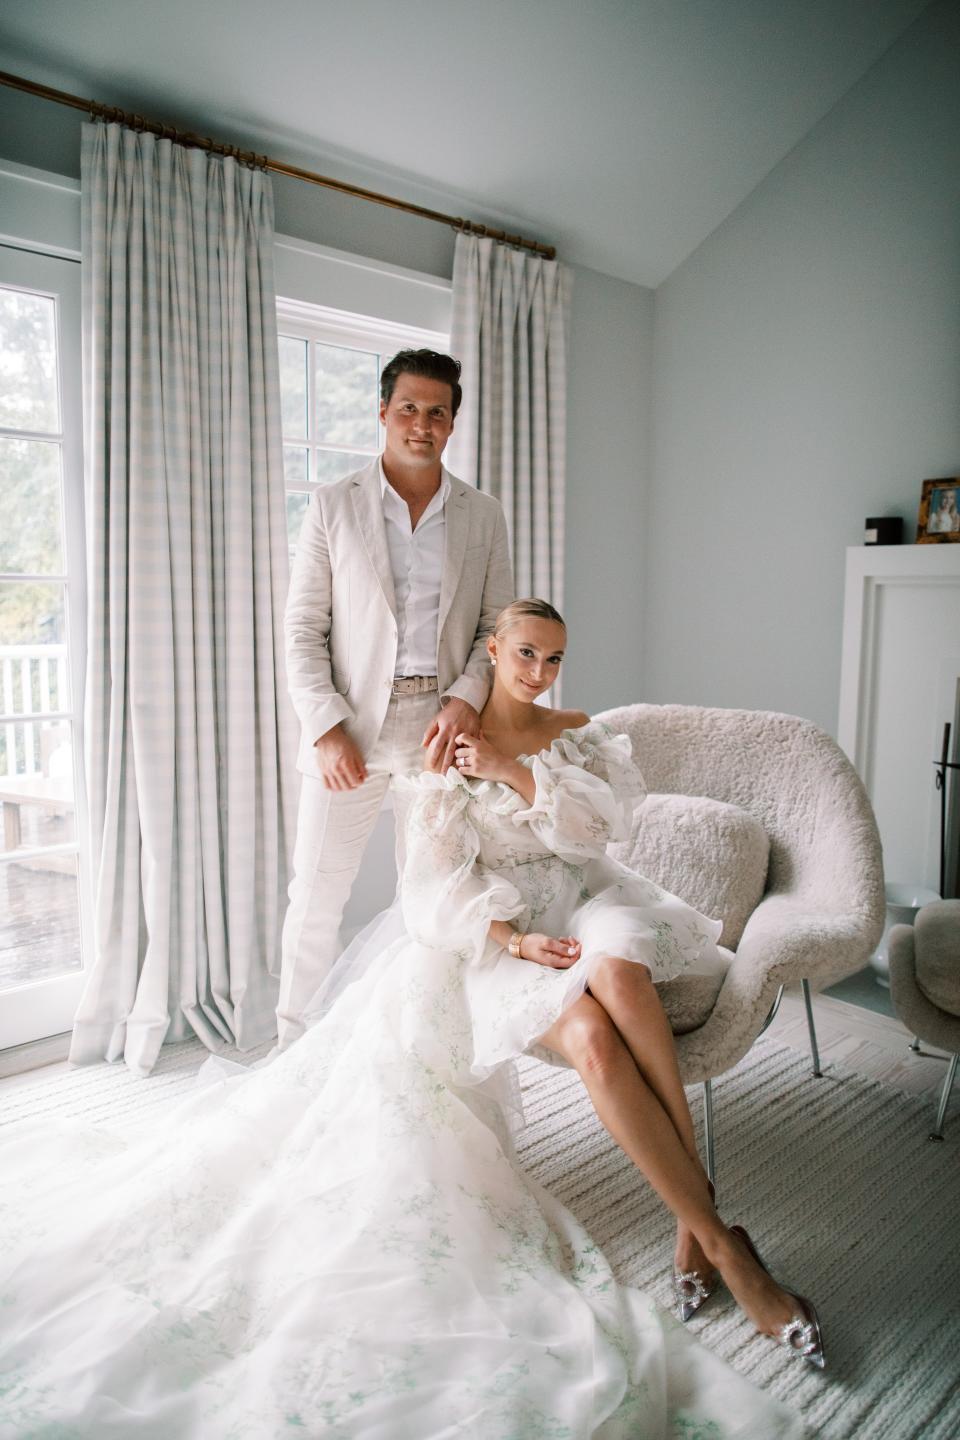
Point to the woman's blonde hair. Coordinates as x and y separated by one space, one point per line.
530 609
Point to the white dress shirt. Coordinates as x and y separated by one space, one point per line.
416 563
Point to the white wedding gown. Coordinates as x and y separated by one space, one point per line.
340 1244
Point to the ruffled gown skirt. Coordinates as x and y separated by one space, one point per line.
337 1245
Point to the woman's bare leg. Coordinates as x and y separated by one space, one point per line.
586 1036
627 993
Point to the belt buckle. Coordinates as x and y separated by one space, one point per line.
415 684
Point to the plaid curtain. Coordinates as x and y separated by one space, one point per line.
189 738
510 316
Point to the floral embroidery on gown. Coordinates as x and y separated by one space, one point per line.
477 852
341 1244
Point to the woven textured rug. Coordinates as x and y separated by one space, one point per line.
834 1179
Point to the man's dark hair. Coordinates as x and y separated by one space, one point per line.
428 363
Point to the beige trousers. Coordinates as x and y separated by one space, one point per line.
333 827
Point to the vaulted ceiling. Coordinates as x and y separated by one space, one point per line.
623 131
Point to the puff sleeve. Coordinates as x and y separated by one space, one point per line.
587 790
447 897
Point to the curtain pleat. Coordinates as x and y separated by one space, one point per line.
509 331
189 738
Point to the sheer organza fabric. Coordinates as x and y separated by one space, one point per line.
341 1244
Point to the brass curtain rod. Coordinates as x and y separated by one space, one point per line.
248 157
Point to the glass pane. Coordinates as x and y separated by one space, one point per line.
36 784
296 464
30 538
34 674
346 396
293 386
28 362
36 772
296 509
334 464
39 919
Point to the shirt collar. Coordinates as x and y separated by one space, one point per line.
390 496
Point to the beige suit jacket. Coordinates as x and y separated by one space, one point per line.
341 616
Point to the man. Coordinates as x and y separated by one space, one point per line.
400 572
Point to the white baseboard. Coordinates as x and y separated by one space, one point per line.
18 1059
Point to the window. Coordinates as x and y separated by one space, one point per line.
43 860
330 364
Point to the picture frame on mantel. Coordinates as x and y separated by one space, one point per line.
939 517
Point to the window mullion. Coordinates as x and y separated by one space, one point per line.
374 341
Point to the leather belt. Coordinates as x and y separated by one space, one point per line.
414 684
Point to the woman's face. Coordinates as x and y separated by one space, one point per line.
528 657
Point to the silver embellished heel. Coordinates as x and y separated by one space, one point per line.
690 1292
802 1334
690 1289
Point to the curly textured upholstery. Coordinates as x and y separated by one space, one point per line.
711 854
822 911
925 974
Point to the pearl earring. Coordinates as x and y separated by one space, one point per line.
493 659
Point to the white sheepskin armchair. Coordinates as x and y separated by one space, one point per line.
809 902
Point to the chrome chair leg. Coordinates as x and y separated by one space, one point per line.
814 1049
708 1130
944 1097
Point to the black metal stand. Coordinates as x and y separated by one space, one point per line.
942 766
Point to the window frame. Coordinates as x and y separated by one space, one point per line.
325 325
38 1009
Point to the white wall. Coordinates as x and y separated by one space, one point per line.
807 374
608 474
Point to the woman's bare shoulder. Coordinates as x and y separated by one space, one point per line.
557 721
574 719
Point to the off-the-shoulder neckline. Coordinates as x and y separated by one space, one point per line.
455 778
570 730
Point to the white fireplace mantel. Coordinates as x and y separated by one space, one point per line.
898 685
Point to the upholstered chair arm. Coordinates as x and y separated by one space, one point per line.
784 941
790 939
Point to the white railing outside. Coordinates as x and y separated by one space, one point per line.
34 681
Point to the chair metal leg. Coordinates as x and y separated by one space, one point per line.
944 1097
708 1130
814 1050
916 1049
772 1012
915 1044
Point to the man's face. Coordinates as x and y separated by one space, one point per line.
418 419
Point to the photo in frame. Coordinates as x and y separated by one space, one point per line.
939 517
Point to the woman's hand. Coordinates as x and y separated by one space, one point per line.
557 954
476 757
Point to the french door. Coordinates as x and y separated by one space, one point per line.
45 910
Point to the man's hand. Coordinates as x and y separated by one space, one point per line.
440 741
339 761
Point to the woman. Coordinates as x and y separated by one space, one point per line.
341 1244
630 933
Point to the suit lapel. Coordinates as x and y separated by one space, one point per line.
455 547
368 507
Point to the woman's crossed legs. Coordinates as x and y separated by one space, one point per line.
619 1040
